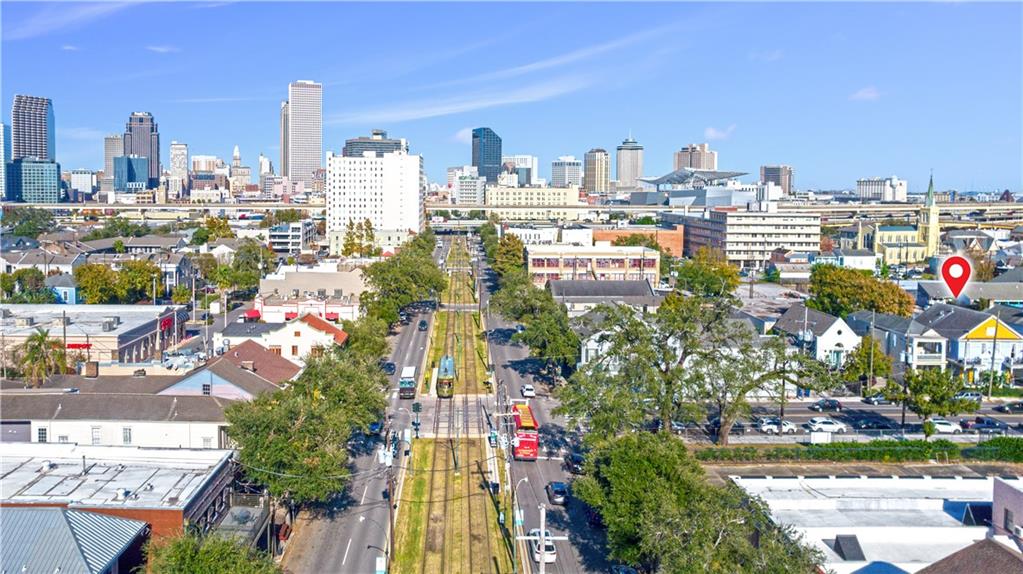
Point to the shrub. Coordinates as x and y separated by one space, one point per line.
874 451
1003 448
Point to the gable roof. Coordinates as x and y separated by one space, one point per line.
1014 275
860 322
112 407
267 365
986 556
250 329
322 325
816 322
248 381
60 540
62 280
951 321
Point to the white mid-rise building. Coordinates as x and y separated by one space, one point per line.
882 189
83 180
566 171
292 238
530 162
456 172
304 130
470 190
388 190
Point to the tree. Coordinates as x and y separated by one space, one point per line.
550 337
206 264
489 239
866 363
930 392
708 273
28 221
187 553
827 244
136 281
509 255
367 338
369 239
97 283
839 291
201 236
117 227
983 267
295 440
118 246
250 260
663 514
411 275
181 295
29 279
218 228
350 243
40 356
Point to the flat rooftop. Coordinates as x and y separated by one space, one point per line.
83 319
51 473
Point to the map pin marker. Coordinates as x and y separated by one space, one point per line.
955 272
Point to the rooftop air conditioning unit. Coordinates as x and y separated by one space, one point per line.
24 321
62 320
112 319
108 326
122 494
1017 531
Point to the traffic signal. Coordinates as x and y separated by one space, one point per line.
417 407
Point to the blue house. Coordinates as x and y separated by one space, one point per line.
64 287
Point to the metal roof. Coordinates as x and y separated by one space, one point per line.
62 540
793 320
688 175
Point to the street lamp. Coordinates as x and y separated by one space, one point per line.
515 520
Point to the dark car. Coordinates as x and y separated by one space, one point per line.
574 463
1016 407
557 493
877 399
738 427
876 425
984 425
388 367
826 405
423 325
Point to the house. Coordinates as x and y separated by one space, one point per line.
285 307
42 260
251 356
176 267
790 273
829 337
223 379
580 296
69 541
988 555
223 249
862 259
977 341
293 340
65 288
992 293
138 245
910 344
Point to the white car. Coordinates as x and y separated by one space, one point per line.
550 552
942 426
528 391
771 426
825 424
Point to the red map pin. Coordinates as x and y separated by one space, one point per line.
955 271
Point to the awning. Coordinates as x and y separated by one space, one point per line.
252 314
331 316
289 315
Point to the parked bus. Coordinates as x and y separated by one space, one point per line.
446 377
407 383
526 445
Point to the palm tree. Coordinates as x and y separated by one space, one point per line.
42 356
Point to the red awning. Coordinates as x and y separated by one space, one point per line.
331 316
290 315
252 314
166 323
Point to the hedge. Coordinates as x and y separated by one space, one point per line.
1002 449
873 451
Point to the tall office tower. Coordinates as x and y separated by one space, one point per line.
389 190
32 128
530 162
377 142
882 189
131 173
486 153
177 183
33 180
142 138
204 163
113 146
630 163
266 167
236 157
302 131
696 156
566 171
598 171
5 156
780 175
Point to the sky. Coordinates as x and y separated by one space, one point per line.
838 91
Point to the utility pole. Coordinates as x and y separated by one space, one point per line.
873 315
390 515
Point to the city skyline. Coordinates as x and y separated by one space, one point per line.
834 107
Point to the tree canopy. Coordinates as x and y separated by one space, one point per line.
866 362
409 276
117 227
28 221
707 273
27 285
930 392
662 514
359 240
839 291
187 553
40 356
509 255
97 283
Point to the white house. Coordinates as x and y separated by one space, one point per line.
294 340
829 337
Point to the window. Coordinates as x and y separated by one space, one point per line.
298 333
1008 521
62 439
294 350
41 434
207 442
207 389
95 435
275 349
126 435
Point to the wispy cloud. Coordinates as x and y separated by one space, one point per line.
163 49
60 16
767 56
69 48
867 94
713 133
402 112
463 136
80 134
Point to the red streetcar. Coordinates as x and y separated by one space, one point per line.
527 433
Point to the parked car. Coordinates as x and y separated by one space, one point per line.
877 399
423 325
714 425
984 425
574 463
528 391
376 427
876 424
388 367
549 555
825 424
520 328
826 405
557 492
974 396
942 426
774 425
1011 408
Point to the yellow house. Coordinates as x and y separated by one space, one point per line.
977 341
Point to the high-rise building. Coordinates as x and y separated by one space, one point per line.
530 162
882 189
566 171
284 139
598 171
486 153
131 173
266 167
630 163
302 121
33 180
377 142
470 190
236 157
113 146
5 156
696 156
780 175
33 132
142 138
388 190
178 182
83 181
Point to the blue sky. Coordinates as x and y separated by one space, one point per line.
839 91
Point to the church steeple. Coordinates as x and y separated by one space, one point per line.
929 201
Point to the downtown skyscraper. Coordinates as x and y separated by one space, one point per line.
597 178
486 153
142 138
302 131
32 128
630 163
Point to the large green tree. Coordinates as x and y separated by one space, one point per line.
187 553
510 254
930 392
136 279
28 221
97 283
866 363
409 276
250 261
41 356
662 513
839 291
707 273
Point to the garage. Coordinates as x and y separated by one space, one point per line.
15 431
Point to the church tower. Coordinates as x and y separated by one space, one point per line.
930 222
